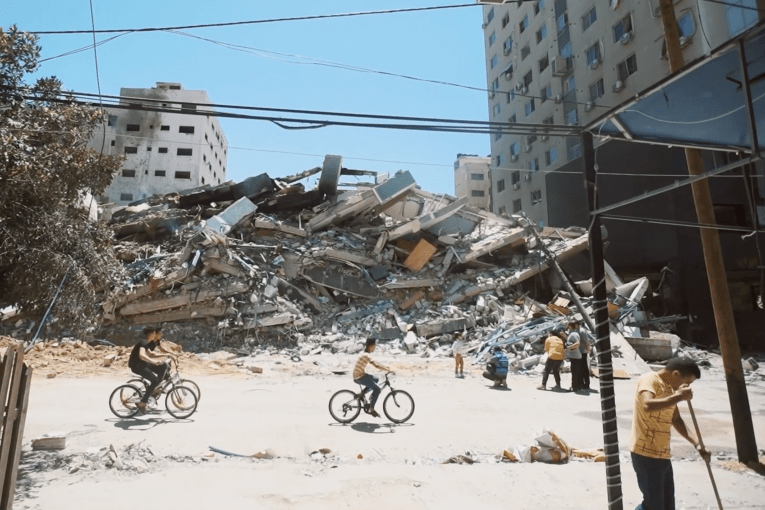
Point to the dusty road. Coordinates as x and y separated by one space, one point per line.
373 464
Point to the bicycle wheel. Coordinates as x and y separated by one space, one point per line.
398 406
123 401
344 406
188 383
181 402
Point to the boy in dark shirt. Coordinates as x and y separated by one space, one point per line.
147 365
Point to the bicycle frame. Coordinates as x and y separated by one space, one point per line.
364 390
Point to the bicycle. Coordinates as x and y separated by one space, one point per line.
142 383
180 401
398 406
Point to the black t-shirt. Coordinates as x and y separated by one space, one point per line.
135 360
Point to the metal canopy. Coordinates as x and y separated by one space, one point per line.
704 105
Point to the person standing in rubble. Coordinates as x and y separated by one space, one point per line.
368 380
145 363
574 355
459 348
555 355
496 369
655 414
584 348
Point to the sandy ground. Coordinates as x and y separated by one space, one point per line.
371 463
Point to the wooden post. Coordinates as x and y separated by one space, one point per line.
746 444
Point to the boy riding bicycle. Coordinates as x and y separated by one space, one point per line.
368 380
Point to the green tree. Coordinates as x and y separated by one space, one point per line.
46 171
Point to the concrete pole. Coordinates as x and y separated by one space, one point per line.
746 444
602 332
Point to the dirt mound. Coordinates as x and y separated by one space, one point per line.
78 358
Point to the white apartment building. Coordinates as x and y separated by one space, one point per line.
472 179
164 152
568 61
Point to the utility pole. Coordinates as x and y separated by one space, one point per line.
718 284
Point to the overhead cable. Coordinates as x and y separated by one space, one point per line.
255 22
737 6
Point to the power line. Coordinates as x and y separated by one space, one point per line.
677 223
739 6
81 49
255 22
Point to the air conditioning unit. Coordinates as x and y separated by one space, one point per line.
626 37
527 177
558 98
559 66
491 95
518 86
508 75
527 148
484 25
517 186
684 40
523 90
514 157
594 64
618 85
508 50
544 138
589 106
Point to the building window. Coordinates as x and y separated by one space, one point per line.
133 127
515 178
188 107
572 118
536 196
162 150
597 90
499 160
529 106
546 93
541 33
534 165
148 149
685 25
539 6
543 63
476 177
623 27
183 152
496 110
515 148
593 55
131 150
512 119
492 38
164 128
627 68
508 46
112 120
500 186
128 173
204 158
206 140
490 16
494 88
203 180
159 173
502 210
562 22
477 193
112 143
567 51
505 20
527 79
183 175
575 152
497 135
126 197
511 95
189 130
494 61
569 84
740 19
588 19
516 206
551 156
525 52
524 24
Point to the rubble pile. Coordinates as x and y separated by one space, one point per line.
264 262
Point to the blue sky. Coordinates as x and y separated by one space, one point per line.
445 45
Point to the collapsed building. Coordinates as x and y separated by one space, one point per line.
267 263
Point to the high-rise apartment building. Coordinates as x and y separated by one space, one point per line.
568 61
472 179
164 152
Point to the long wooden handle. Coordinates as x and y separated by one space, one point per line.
709 466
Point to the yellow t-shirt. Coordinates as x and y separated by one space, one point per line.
361 365
554 348
651 430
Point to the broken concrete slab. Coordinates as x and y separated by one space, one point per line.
426 330
330 174
232 216
338 280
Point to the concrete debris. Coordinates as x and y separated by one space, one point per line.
266 263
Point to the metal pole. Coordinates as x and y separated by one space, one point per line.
743 427
706 460
602 332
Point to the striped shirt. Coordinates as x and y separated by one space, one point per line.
361 364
